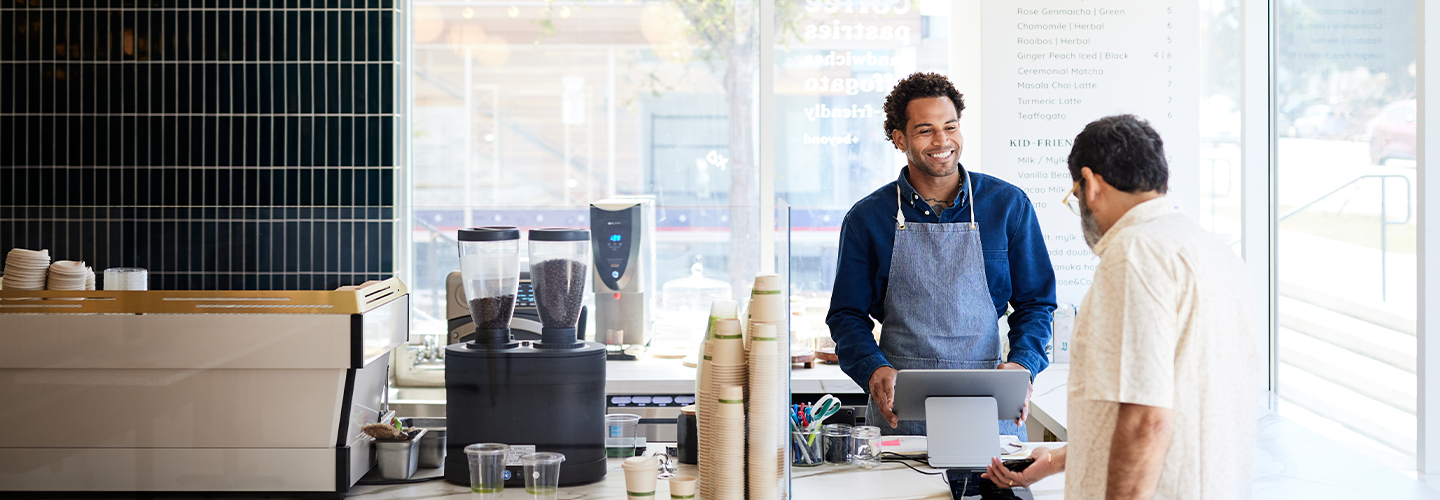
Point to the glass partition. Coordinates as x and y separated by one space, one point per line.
835 62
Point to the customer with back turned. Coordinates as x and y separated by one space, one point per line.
1164 368
937 256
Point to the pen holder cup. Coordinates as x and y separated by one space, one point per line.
806 448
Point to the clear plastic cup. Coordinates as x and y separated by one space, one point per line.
542 474
487 470
865 446
620 434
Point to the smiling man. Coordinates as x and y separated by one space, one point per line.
936 257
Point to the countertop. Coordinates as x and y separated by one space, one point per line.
890 481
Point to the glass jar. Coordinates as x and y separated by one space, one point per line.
837 443
865 446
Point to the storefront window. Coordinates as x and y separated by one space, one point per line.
833 71
524 113
1346 257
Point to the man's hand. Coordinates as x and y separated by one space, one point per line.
1029 389
882 390
1047 463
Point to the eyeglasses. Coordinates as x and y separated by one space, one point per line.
1074 193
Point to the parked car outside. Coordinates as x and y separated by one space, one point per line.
1392 132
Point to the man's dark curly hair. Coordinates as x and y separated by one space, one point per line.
1123 150
917 86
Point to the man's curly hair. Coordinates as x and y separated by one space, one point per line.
917 86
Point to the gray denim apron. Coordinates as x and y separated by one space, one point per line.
938 310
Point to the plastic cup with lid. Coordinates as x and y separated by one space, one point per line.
542 474
487 470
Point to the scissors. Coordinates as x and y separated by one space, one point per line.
821 410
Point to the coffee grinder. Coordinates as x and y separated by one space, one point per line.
623 232
547 395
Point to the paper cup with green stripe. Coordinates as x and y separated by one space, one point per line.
682 488
729 346
640 477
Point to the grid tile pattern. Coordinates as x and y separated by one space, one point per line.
221 144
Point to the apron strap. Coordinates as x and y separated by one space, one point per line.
900 214
970 195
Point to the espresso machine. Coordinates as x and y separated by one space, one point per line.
623 233
547 394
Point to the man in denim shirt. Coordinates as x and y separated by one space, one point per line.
936 256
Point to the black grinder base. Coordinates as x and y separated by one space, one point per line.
553 399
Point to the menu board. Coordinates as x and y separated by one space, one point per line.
1051 67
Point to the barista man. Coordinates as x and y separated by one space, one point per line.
936 256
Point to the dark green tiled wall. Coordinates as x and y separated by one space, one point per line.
220 144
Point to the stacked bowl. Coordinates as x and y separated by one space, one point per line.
26 269
68 275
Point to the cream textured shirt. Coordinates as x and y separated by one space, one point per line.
1166 323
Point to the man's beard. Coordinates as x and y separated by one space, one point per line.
945 170
1088 226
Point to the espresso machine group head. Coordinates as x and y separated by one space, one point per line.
623 234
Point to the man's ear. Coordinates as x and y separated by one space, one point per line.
1090 189
898 138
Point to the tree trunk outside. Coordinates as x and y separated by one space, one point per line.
740 72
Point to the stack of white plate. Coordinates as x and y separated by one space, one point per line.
765 457
67 275
89 278
724 366
767 307
26 269
729 460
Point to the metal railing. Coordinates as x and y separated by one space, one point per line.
1384 217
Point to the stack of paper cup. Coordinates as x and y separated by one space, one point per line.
725 366
640 476
26 269
127 278
66 275
729 459
765 456
767 306
720 309
705 408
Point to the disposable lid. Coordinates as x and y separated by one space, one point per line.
544 457
559 234
496 233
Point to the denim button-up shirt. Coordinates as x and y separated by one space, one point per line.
1017 266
